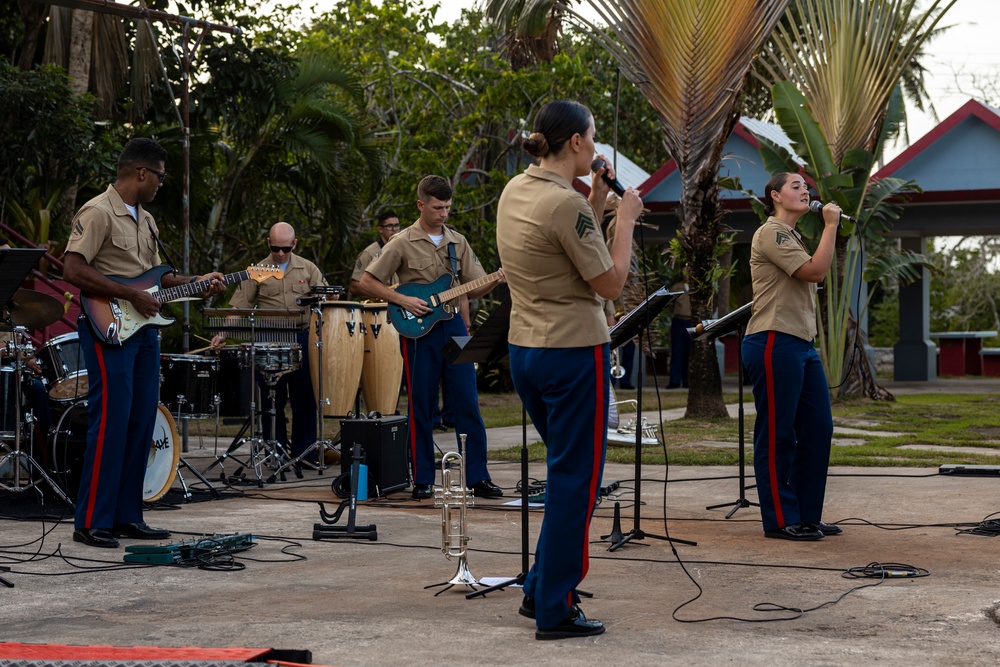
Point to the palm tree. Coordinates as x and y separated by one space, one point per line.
690 59
848 60
303 131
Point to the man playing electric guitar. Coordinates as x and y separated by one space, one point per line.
423 253
112 235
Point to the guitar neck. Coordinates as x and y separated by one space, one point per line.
450 294
191 289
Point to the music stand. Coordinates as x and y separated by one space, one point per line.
709 331
15 265
635 323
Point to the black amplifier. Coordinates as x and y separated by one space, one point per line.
384 443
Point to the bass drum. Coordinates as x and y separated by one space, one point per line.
382 369
69 442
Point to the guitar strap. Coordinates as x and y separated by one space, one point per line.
454 260
159 245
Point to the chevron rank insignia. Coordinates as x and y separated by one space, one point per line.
781 238
584 226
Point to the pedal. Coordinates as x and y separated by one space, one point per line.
199 547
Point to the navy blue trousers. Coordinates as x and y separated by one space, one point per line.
424 369
793 430
124 391
565 392
295 387
680 351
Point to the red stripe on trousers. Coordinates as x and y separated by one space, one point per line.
95 473
599 434
772 436
412 430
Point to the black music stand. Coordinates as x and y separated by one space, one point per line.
636 323
709 331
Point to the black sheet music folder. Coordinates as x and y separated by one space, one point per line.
641 316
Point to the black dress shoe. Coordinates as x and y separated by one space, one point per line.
527 608
799 532
574 625
422 491
486 489
825 528
141 531
95 537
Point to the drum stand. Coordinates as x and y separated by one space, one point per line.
182 462
262 452
18 457
322 444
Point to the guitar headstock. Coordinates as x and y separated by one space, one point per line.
261 272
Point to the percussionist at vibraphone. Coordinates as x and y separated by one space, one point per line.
300 276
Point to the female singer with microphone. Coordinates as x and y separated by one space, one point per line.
794 426
557 266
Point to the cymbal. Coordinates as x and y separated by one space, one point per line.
34 310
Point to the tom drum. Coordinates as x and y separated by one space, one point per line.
63 368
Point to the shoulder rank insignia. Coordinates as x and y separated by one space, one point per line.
781 237
584 225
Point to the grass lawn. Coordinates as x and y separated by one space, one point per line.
889 429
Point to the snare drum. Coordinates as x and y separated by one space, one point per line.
63 368
382 369
273 359
69 442
188 384
343 355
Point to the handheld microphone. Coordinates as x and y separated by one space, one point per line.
613 183
816 206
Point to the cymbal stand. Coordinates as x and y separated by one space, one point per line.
18 457
182 462
321 444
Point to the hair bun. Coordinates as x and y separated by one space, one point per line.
537 145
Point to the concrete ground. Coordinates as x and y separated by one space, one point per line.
360 602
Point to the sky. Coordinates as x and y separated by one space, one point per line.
969 49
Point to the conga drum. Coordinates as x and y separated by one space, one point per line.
343 355
382 369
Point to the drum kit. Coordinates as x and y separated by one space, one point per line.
356 360
63 375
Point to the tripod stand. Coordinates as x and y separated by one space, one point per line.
321 444
636 323
734 321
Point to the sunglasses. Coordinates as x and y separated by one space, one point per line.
281 248
159 174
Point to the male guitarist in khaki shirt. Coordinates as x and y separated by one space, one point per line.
112 235
420 253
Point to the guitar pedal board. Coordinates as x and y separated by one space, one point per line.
199 547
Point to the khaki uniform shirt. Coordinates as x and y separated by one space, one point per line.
111 240
550 246
781 302
412 257
300 277
367 256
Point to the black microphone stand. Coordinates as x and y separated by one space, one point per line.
636 323
734 321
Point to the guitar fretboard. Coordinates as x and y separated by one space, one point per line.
450 294
191 289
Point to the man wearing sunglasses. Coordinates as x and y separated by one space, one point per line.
301 276
114 235
388 226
